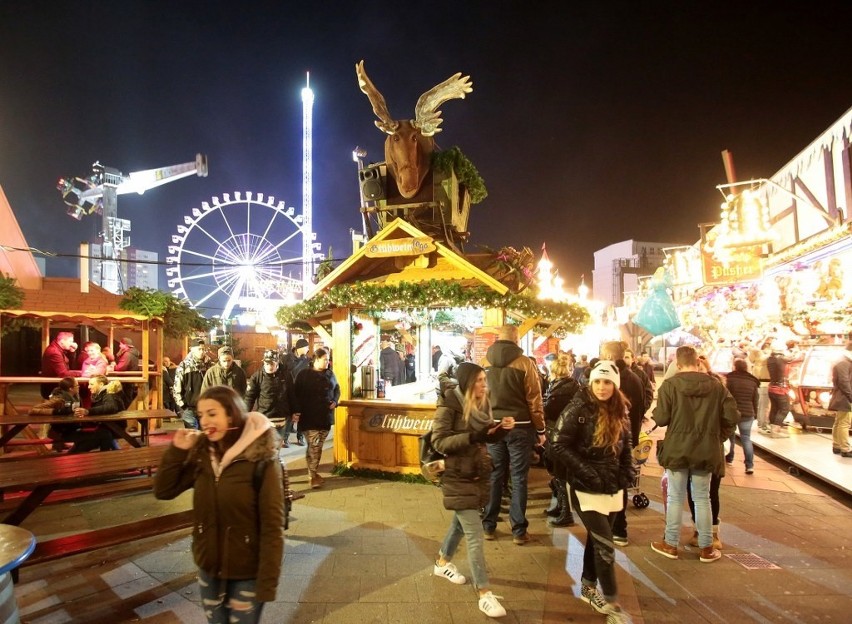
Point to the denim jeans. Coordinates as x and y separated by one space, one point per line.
512 453
779 406
700 485
229 602
466 523
189 418
744 427
290 428
715 482
599 554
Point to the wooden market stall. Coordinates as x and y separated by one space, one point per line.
91 313
357 304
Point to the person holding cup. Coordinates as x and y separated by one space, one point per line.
462 425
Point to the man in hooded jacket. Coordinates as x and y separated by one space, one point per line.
515 391
699 414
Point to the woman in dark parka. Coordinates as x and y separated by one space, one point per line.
462 424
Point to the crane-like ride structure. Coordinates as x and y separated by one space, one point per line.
99 193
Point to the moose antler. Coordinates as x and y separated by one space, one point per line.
427 118
380 108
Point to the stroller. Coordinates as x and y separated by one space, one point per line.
640 455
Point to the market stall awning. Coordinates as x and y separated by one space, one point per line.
60 300
402 253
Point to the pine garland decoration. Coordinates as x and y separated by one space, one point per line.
454 160
432 294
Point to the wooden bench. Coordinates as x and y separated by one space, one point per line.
56 548
42 476
102 490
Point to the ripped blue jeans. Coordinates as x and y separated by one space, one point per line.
229 602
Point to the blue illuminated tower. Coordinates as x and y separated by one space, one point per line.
308 235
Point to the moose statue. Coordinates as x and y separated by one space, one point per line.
411 191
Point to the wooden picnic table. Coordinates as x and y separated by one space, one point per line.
41 476
6 382
11 424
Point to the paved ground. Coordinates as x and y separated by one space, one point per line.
361 551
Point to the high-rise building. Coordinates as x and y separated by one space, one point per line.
142 270
138 268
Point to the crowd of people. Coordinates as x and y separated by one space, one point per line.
588 415
584 418
98 396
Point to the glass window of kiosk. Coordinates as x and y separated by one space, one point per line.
419 340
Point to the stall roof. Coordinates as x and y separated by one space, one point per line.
60 299
439 264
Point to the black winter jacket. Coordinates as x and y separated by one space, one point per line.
631 387
315 391
105 403
588 468
559 394
465 482
743 387
267 393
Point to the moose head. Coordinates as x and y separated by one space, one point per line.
409 145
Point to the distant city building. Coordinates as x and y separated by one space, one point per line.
143 271
619 266
140 270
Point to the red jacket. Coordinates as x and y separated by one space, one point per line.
55 362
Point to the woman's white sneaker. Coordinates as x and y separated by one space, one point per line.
489 606
449 572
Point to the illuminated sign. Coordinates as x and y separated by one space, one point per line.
400 247
740 267
722 266
378 421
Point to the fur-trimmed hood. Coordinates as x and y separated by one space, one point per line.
259 441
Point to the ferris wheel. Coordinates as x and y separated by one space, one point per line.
241 250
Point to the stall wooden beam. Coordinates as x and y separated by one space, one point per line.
341 365
527 326
321 332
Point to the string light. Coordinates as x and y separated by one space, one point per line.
431 294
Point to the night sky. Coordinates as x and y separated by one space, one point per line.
590 125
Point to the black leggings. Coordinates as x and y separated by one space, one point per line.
599 555
779 405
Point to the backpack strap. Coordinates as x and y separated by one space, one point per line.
257 482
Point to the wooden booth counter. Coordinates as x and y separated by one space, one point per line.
382 434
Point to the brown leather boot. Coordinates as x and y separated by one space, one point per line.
717 542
